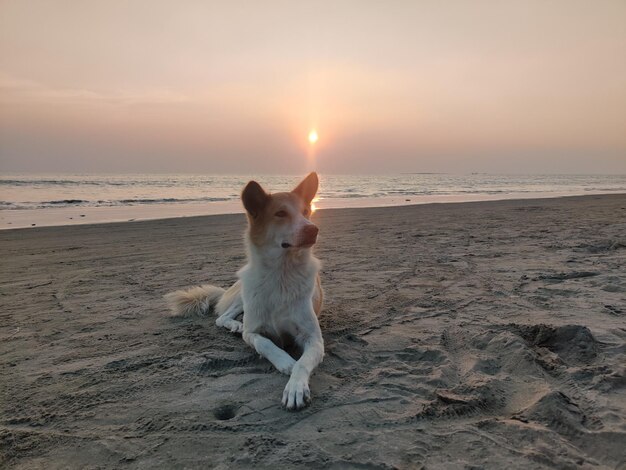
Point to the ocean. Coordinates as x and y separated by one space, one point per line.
33 200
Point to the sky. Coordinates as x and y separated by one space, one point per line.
236 86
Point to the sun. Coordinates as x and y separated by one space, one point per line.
313 136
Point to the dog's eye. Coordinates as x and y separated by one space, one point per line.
281 214
306 211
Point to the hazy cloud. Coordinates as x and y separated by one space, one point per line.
236 86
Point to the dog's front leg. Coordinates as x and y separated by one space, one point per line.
266 348
297 394
228 318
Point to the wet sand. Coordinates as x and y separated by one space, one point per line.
474 335
85 215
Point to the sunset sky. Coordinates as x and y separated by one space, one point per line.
236 87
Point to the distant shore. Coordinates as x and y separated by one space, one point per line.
79 215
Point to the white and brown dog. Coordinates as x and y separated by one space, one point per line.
279 290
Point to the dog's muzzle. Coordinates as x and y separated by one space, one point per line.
308 236
306 239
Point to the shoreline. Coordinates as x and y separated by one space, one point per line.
72 216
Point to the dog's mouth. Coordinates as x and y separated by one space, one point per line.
303 244
305 238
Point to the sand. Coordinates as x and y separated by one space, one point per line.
475 335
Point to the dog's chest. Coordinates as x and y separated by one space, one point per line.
272 297
276 290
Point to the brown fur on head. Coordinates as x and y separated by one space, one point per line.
281 220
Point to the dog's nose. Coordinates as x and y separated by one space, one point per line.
311 231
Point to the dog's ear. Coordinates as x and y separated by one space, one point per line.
254 198
307 187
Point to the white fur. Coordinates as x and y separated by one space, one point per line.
278 300
278 290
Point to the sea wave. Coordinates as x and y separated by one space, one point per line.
26 205
67 202
41 182
173 199
45 191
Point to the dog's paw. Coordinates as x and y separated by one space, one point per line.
296 395
285 365
234 326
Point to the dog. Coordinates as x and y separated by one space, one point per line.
279 290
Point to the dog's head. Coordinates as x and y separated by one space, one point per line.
281 220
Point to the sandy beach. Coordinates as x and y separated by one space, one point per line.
458 336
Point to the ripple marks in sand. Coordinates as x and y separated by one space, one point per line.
574 344
558 412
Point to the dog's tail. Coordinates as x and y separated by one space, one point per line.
195 301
